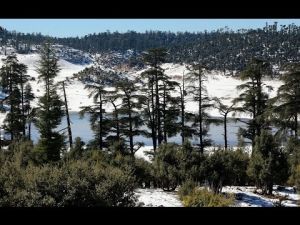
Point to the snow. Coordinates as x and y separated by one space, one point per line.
76 94
142 153
251 199
217 84
156 197
151 197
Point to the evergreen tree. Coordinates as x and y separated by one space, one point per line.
96 79
154 58
49 112
287 101
29 111
254 98
196 78
268 164
130 119
186 131
224 111
13 79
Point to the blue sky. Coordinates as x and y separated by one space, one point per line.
81 27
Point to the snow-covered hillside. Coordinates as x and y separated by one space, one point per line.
217 84
77 96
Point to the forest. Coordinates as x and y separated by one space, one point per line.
222 49
63 171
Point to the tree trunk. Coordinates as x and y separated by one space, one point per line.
130 128
23 108
200 113
11 105
68 117
153 125
296 125
182 111
100 123
225 130
159 131
164 115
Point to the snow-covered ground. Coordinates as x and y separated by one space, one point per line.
250 199
150 197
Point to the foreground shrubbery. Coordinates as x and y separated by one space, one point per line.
173 165
204 198
86 182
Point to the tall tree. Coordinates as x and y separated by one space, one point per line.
49 112
197 78
186 131
96 80
130 117
29 111
287 101
13 79
253 99
224 111
154 58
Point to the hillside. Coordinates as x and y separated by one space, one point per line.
222 49
218 84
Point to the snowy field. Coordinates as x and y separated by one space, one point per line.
150 197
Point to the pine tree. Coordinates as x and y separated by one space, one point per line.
254 98
96 80
196 78
154 58
186 131
169 108
49 112
268 164
130 119
13 79
116 139
287 101
224 111
29 111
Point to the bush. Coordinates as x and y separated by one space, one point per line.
226 167
190 163
186 188
268 164
205 198
71 183
293 148
144 173
297 177
166 167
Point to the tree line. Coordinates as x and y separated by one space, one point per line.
155 100
221 49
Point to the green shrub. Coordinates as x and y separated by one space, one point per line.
166 167
205 198
190 163
268 164
186 188
226 167
144 173
86 182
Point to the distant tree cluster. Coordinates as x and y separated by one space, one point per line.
222 49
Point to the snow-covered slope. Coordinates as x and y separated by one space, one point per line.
77 96
217 84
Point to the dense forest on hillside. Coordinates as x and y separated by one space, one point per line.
222 49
